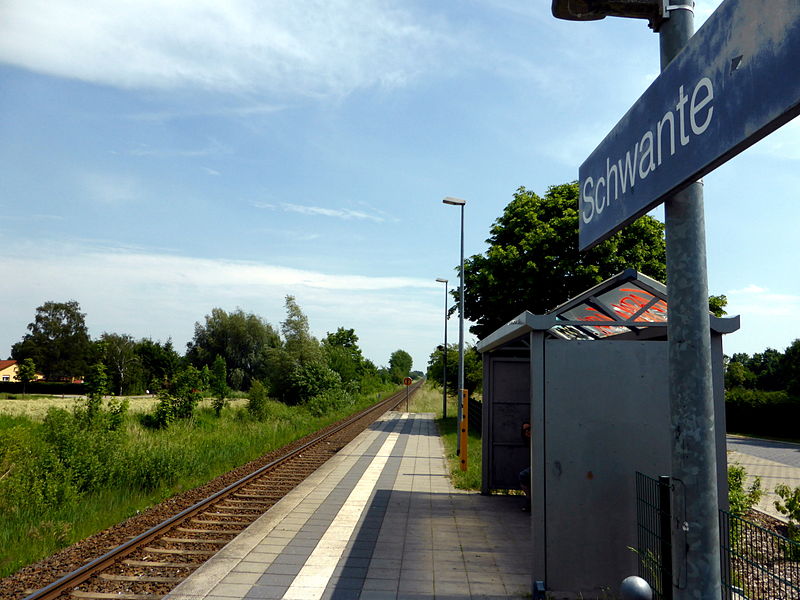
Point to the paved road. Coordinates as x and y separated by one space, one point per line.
782 452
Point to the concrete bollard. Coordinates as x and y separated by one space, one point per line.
635 588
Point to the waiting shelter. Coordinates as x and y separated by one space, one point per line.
591 377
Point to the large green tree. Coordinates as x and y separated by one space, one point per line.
298 370
58 341
473 368
533 262
119 357
158 362
343 354
241 339
400 365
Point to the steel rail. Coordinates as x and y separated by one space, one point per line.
78 576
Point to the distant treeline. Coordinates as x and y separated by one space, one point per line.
762 392
291 364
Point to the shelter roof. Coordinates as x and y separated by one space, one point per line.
629 305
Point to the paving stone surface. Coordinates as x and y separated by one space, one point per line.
379 521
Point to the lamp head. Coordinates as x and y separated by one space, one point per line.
454 201
440 280
593 10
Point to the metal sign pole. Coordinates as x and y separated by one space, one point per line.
695 528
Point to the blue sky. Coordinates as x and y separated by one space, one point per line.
162 158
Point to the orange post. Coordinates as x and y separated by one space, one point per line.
464 427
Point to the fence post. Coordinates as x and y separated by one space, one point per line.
665 524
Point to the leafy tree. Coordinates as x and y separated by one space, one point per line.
789 365
96 387
289 366
240 338
310 379
738 375
187 391
717 304
473 368
159 362
26 372
257 401
533 262
237 379
58 341
298 341
400 365
218 384
767 368
119 357
343 354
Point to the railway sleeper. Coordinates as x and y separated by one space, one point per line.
141 578
114 595
214 531
159 564
173 540
180 551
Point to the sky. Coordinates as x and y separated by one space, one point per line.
161 158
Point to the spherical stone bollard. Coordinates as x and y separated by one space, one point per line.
635 588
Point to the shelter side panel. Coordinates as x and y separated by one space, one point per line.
607 416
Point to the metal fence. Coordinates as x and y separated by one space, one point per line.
653 534
756 563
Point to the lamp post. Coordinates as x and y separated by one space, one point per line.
695 533
461 203
444 357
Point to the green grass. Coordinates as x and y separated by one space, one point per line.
147 466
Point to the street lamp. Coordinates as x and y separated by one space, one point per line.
461 203
696 535
594 10
444 368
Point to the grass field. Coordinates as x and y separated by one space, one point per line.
36 407
61 481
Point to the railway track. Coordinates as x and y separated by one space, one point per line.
152 563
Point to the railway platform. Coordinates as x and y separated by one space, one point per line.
379 520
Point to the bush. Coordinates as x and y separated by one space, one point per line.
740 499
328 401
257 401
32 478
747 397
87 450
763 413
790 506
163 414
310 379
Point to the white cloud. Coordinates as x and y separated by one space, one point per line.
340 213
212 148
110 188
147 294
248 110
307 47
756 300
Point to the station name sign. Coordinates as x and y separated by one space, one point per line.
735 82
